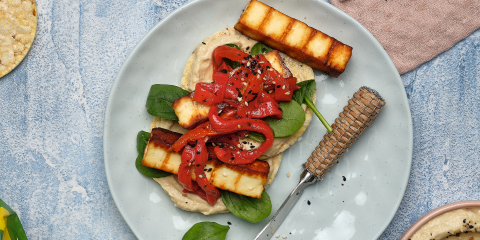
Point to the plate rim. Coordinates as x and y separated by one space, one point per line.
325 4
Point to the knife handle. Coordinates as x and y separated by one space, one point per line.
361 110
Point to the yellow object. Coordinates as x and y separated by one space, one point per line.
3 223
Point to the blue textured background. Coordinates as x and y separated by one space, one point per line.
52 107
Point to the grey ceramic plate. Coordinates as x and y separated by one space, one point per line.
376 168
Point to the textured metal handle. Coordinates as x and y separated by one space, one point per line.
362 108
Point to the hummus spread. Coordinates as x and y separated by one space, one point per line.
461 224
199 68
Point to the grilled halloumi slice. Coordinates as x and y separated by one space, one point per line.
293 37
246 179
189 112
277 63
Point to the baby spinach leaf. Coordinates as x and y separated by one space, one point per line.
206 231
142 140
257 136
293 119
307 88
260 48
251 209
231 63
233 45
160 99
305 95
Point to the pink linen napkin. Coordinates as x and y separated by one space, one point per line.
414 31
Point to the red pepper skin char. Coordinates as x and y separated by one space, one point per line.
228 126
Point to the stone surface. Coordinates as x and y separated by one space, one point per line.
52 107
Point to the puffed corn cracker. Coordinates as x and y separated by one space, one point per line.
18 24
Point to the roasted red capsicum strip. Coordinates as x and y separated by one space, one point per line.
200 132
211 93
184 171
231 53
231 156
197 190
230 139
266 107
201 157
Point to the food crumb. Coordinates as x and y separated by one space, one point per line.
344 178
308 202
288 174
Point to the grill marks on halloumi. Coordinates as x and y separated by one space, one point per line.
247 179
295 38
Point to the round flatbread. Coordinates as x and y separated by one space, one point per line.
18 24
199 69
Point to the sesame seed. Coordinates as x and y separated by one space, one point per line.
239 126
283 87
288 174
248 64
277 236
273 82
246 103
287 93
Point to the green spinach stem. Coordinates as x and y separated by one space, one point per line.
325 123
